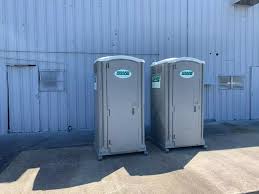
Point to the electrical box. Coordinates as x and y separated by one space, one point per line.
176 103
119 97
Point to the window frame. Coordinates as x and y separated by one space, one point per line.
56 81
221 87
232 86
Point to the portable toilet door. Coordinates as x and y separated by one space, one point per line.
187 93
123 102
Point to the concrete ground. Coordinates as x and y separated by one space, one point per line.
13 144
49 164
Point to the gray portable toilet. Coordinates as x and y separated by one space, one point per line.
119 94
176 103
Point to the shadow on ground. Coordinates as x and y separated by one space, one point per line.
12 145
69 167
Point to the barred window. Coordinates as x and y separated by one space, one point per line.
231 82
224 82
238 82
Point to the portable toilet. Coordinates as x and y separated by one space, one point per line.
176 103
119 98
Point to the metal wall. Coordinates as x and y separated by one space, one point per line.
227 38
71 34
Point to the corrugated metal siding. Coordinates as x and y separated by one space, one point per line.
3 102
232 32
71 34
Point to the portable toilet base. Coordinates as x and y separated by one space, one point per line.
119 115
176 103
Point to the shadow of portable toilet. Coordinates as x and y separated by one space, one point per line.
176 103
119 98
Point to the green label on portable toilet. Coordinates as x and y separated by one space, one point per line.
123 73
156 81
187 74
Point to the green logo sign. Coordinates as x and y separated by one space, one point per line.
156 81
187 74
156 78
123 73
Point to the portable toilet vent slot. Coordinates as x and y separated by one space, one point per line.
119 94
176 103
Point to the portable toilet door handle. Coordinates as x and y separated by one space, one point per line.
195 108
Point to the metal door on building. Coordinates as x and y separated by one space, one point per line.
187 103
123 94
254 93
23 99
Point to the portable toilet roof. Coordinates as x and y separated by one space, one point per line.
120 57
175 60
